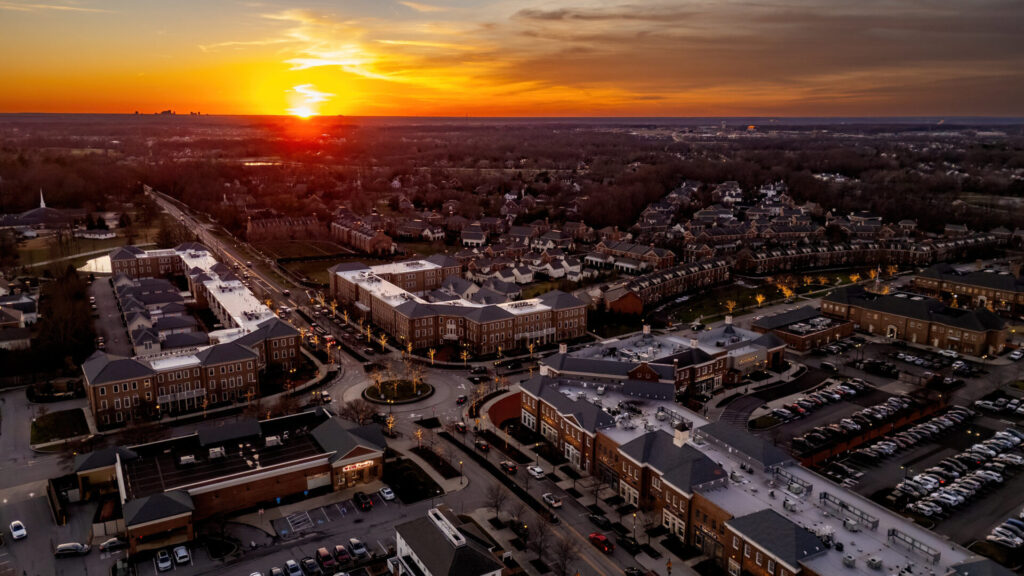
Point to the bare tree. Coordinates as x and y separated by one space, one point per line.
496 497
359 411
517 509
540 536
286 404
566 552
70 450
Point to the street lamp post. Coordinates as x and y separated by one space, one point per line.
634 526
462 477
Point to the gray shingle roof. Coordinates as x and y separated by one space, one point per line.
980 567
778 536
102 458
745 442
558 300
590 417
332 436
684 466
102 367
221 353
440 557
156 507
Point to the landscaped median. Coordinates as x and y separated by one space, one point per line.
62 425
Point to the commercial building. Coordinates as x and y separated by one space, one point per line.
440 544
1001 291
804 329
918 319
401 310
165 488
734 496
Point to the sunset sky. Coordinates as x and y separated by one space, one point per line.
515 57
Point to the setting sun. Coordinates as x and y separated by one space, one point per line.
305 100
302 112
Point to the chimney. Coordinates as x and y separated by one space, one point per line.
694 343
563 348
680 434
728 319
543 370
647 329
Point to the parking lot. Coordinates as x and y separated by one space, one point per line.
879 473
296 523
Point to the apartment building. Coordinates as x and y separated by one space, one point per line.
653 257
482 328
649 289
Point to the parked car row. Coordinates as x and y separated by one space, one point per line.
834 393
891 444
1010 533
841 346
958 479
326 562
857 423
1002 406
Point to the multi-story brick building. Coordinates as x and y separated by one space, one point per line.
655 258
1000 291
643 291
918 319
482 328
362 237
766 543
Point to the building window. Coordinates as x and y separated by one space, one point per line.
746 550
771 566
103 390
757 558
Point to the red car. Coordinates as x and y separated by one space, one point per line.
601 542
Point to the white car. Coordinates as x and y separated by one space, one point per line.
1016 354
163 561
386 493
551 500
181 555
536 471
18 530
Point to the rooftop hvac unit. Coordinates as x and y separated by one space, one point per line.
875 563
849 561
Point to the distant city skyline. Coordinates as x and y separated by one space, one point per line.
515 58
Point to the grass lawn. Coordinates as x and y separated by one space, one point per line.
59 425
409 481
298 248
538 288
424 249
314 271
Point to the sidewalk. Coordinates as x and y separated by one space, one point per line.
713 412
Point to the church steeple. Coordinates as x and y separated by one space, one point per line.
42 203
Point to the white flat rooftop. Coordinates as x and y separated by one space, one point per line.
174 362
522 307
238 302
810 513
404 267
642 347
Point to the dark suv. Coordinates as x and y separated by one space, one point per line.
362 501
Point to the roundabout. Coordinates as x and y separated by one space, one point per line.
399 391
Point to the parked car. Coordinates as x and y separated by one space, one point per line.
551 500
18 530
341 554
326 559
362 501
112 544
386 493
181 555
358 548
70 549
482 445
163 561
291 567
310 567
535 471
509 467
602 521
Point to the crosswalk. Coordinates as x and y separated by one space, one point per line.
299 521
6 568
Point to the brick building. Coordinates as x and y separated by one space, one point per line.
804 329
166 488
649 289
655 258
918 319
1001 292
400 311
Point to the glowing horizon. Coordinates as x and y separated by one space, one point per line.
583 58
